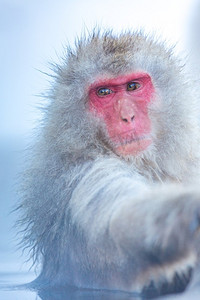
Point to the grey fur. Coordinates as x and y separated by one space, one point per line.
94 219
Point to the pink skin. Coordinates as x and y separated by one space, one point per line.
125 112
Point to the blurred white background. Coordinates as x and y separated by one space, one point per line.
33 33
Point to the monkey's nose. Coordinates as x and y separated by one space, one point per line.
128 119
126 109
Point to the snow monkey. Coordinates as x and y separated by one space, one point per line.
109 196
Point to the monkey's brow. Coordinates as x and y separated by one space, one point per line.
121 80
110 86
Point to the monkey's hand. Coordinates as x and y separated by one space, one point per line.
160 235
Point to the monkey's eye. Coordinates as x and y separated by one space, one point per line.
104 92
132 86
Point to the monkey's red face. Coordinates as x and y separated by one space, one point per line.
123 104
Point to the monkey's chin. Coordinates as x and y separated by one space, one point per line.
134 147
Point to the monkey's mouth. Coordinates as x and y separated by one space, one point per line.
133 146
123 141
135 140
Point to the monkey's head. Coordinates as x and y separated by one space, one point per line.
125 95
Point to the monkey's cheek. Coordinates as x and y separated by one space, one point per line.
133 148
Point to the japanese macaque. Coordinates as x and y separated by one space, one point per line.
109 196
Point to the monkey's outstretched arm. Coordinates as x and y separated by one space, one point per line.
136 232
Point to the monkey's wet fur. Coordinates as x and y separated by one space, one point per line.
110 195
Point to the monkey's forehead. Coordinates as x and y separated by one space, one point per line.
110 56
113 56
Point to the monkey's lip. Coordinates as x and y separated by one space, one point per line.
133 146
128 140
